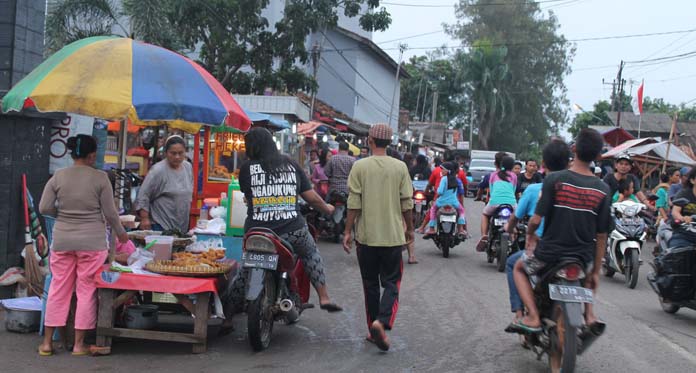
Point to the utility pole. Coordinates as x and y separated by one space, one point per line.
425 100
402 48
316 54
433 113
621 83
420 85
471 128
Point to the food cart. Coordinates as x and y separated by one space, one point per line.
121 79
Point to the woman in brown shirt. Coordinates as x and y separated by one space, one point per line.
81 199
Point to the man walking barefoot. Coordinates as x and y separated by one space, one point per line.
379 202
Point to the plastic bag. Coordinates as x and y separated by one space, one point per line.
218 212
140 258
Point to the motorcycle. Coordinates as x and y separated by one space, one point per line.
559 296
625 242
277 286
499 245
521 231
420 201
447 236
674 272
335 224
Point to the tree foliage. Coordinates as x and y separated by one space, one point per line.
597 117
231 38
537 59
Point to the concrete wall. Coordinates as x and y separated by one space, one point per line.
337 81
24 141
21 39
378 88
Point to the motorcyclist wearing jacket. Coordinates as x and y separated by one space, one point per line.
684 207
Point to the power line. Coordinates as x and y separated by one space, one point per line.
338 76
678 56
469 5
356 70
412 36
595 38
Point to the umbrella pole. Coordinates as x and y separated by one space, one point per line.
122 145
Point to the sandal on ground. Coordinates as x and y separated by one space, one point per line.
379 336
99 351
481 246
45 353
331 307
420 231
520 328
412 261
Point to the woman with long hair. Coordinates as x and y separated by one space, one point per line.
503 184
448 191
81 199
421 168
272 184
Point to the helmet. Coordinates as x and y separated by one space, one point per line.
624 156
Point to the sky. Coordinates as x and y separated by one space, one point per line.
594 60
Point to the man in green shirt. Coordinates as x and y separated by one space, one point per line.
380 201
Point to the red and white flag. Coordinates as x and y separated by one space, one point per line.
637 102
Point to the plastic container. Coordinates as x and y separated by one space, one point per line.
236 211
162 248
204 213
142 316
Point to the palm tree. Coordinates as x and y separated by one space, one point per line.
71 20
484 70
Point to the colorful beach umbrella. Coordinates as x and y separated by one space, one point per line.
116 78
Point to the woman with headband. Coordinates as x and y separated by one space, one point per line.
164 200
81 199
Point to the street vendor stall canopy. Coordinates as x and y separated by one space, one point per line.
643 147
116 78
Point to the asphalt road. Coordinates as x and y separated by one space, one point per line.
452 315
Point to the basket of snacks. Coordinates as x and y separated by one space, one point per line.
206 264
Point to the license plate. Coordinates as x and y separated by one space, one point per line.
260 260
448 218
419 207
499 222
573 294
419 201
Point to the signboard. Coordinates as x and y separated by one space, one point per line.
72 125
463 145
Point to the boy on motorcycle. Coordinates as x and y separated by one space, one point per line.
575 206
448 190
684 208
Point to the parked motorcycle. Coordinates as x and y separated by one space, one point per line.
674 272
447 236
559 296
625 242
277 286
499 245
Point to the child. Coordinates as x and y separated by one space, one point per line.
448 190
625 191
503 184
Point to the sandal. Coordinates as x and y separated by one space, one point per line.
521 328
331 307
45 353
379 336
412 261
482 244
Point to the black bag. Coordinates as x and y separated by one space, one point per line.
675 277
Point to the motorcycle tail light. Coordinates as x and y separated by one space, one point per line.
324 188
571 272
505 212
259 243
420 195
447 209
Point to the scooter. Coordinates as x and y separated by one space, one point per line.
277 285
499 245
674 274
625 242
447 236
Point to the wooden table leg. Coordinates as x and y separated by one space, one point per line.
200 324
105 316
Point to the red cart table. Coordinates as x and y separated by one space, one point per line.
108 283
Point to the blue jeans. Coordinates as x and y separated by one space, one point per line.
515 301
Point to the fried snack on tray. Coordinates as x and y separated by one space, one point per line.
207 259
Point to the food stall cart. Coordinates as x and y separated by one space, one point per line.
121 79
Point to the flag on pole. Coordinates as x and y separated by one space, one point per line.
637 102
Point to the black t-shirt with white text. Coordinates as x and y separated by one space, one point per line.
575 208
272 197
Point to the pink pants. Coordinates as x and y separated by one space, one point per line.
74 271
460 211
